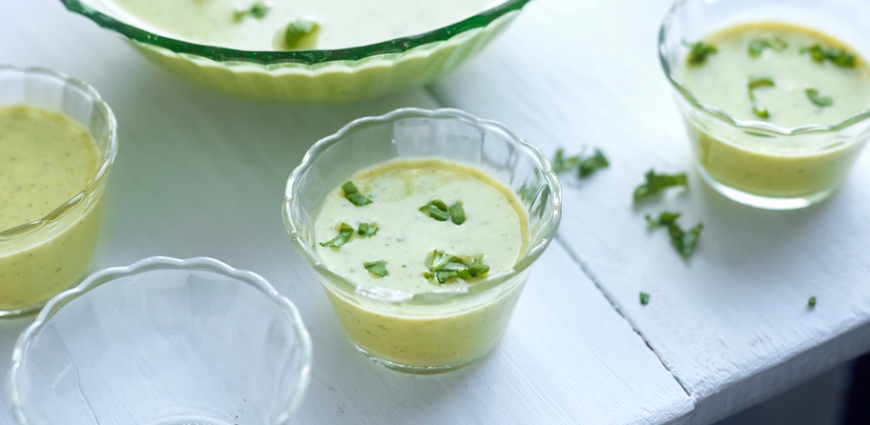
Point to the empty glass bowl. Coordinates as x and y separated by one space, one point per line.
166 342
425 332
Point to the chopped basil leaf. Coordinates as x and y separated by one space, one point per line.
644 298
821 101
684 241
377 268
258 10
298 30
562 164
352 194
656 183
457 213
595 162
368 230
838 57
760 113
436 209
446 266
755 83
699 51
811 302
757 46
345 231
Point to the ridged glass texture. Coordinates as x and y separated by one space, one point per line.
726 146
163 341
315 76
44 257
415 133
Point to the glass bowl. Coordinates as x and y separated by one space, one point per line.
163 341
754 162
448 328
314 76
44 257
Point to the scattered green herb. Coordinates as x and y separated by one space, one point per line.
757 45
698 52
595 162
562 164
457 213
258 10
446 266
377 268
345 231
298 30
811 303
436 209
821 101
839 57
760 113
756 83
352 194
586 166
684 241
644 298
656 183
368 230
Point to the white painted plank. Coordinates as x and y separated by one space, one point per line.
731 323
202 174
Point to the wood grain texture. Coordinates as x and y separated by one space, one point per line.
731 323
200 174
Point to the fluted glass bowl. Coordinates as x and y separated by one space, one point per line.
46 256
314 76
162 342
425 332
753 162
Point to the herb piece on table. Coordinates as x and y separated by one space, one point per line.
446 266
757 45
585 166
595 162
345 232
377 268
436 209
368 230
656 183
258 10
457 213
683 240
838 57
821 101
644 298
699 51
353 195
562 164
811 303
298 30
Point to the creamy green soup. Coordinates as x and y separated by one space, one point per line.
494 230
342 24
786 75
45 159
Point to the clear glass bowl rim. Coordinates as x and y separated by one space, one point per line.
304 57
759 127
157 263
103 169
391 295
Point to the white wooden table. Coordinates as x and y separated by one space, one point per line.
201 174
